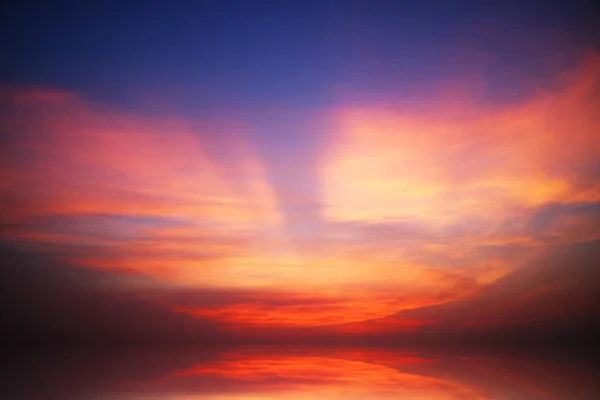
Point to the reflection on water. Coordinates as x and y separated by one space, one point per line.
263 373
296 377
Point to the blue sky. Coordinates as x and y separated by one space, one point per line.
196 56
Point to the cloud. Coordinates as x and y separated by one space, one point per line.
443 185
66 155
45 301
561 223
238 309
75 173
556 293
441 166
403 207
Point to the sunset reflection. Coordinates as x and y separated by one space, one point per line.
321 378
288 372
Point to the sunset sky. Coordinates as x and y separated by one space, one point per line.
297 163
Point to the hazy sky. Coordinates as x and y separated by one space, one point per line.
299 162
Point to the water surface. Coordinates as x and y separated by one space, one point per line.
298 372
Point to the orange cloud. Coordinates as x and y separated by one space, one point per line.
414 206
318 312
77 159
443 182
441 166
154 178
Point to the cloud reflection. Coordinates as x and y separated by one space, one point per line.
299 373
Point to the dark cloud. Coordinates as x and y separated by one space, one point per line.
44 299
558 291
564 222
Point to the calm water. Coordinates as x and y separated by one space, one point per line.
255 372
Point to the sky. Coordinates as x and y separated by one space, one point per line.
232 164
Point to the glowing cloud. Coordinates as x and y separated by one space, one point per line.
415 206
431 187
146 193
